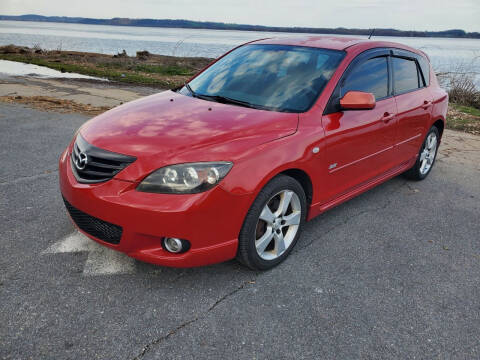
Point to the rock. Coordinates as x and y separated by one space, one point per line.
143 55
122 54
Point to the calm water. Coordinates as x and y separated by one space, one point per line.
446 54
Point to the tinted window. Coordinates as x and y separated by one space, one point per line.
405 75
275 77
425 69
370 76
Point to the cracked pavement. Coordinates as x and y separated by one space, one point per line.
391 274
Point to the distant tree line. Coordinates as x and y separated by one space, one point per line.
189 24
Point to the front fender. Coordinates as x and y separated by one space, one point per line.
261 164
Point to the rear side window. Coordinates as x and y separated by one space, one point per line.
405 75
370 76
425 69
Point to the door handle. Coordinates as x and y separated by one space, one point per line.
387 117
426 104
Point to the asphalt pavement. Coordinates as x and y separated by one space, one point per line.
391 274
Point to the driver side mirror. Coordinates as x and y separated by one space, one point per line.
357 100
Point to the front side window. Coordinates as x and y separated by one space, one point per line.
405 75
271 77
370 76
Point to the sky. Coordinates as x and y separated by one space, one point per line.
399 14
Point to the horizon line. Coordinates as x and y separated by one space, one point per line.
215 25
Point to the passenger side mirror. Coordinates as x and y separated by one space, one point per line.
357 100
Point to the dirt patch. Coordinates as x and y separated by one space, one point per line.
47 103
460 148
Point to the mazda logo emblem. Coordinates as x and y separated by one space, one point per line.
81 161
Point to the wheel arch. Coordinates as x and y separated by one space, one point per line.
440 125
303 178
301 175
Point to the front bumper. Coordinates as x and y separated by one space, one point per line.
211 221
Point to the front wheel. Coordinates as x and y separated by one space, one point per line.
273 224
426 157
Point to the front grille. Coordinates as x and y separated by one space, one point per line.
93 165
100 229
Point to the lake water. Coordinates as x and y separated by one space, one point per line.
447 55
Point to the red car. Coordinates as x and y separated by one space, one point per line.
268 136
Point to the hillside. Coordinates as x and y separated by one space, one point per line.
454 33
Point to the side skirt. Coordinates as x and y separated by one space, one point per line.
318 208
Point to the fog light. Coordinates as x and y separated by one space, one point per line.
175 245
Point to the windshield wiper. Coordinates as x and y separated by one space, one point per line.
227 100
223 99
194 94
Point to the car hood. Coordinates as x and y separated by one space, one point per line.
169 128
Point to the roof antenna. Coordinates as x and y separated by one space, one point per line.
369 36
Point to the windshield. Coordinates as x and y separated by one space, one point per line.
271 77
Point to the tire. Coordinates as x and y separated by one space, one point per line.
269 224
426 157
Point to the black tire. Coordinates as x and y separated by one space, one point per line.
247 252
415 172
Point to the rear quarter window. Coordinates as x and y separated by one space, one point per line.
405 75
425 66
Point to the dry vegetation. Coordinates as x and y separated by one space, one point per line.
144 68
464 97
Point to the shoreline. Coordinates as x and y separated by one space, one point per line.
211 25
144 69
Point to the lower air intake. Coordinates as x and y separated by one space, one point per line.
99 229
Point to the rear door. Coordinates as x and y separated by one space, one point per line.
360 142
414 103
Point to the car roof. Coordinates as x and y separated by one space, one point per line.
325 42
333 42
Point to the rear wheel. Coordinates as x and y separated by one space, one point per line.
426 157
273 224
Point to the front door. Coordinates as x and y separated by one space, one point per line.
360 142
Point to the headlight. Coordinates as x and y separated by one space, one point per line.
185 178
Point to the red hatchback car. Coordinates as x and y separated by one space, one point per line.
268 136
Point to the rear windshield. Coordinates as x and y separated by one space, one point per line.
272 77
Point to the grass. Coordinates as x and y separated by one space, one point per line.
164 70
467 109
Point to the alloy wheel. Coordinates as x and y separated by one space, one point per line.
427 156
278 224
